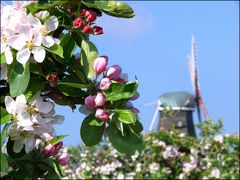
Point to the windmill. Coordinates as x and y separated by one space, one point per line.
194 75
182 103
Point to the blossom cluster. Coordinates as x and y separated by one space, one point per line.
84 21
32 121
26 33
167 155
97 101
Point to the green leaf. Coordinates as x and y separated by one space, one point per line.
127 144
88 54
35 69
4 133
5 116
11 153
71 82
91 135
70 91
56 49
118 91
18 77
77 70
34 7
36 84
136 127
69 46
57 139
4 164
126 116
112 8
96 122
3 58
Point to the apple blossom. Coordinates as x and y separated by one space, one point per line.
100 64
64 159
97 30
49 150
87 29
5 48
114 72
100 99
90 15
90 101
102 114
77 23
105 83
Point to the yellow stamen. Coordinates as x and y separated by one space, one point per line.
44 31
31 110
14 118
29 44
4 39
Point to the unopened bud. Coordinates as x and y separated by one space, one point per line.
102 114
97 30
90 15
64 159
49 150
100 64
100 99
90 102
105 83
52 79
87 29
77 23
59 145
114 72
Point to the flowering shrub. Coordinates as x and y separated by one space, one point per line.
40 68
168 155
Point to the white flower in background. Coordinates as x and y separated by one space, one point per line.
42 30
215 173
182 176
181 134
162 144
170 152
218 138
120 176
188 167
138 167
209 165
153 167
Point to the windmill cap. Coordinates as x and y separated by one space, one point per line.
177 100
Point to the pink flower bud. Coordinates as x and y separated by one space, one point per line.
83 11
102 114
105 83
100 99
100 64
114 72
97 30
90 15
161 128
87 29
52 79
64 159
59 145
49 150
135 110
136 96
77 23
120 80
90 102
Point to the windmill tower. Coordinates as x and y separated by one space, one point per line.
176 108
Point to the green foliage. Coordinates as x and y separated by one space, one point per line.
5 116
118 91
69 46
4 164
112 8
56 49
91 132
18 77
57 139
125 116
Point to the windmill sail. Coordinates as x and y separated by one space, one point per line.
193 69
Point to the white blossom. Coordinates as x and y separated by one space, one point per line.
153 167
218 138
215 173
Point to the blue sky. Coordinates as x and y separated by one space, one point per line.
154 46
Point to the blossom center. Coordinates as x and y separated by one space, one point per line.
44 31
4 39
24 134
29 44
31 110
14 118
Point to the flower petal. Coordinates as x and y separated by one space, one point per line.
58 119
26 32
29 144
51 23
39 54
10 105
33 20
18 145
16 42
48 41
8 55
21 99
42 14
23 55
46 107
